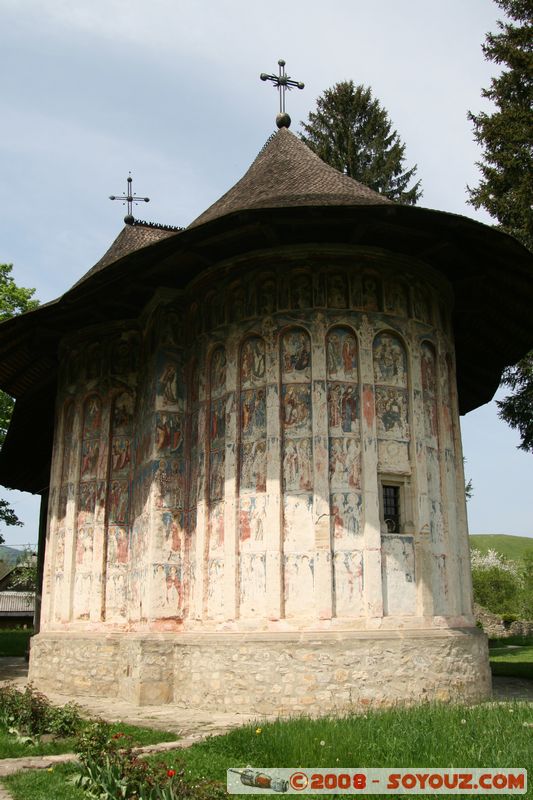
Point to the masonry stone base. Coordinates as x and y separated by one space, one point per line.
311 673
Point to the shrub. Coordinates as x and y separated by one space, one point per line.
29 712
497 583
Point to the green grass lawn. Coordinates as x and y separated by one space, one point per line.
426 736
14 641
10 748
514 662
513 547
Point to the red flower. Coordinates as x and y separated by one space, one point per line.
118 735
171 773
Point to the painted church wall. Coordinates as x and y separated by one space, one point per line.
221 465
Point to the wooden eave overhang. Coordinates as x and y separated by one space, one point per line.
491 275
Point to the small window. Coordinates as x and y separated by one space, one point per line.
391 508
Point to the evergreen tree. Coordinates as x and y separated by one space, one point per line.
351 131
517 408
506 186
13 300
506 135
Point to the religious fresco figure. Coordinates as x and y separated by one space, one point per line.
391 406
337 291
252 361
168 385
301 292
296 354
218 371
370 294
92 417
122 416
390 361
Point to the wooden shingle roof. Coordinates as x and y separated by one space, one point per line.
287 173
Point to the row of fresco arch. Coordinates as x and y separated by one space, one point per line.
112 491
301 290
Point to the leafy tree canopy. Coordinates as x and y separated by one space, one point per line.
506 186
351 131
13 300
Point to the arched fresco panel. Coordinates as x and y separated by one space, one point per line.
252 476
216 482
428 364
66 493
167 565
91 502
345 499
297 467
393 434
119 500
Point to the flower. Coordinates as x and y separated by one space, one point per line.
118 736
171 773
463 722
322 743
50 769
258 731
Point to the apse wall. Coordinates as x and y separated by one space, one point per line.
222 462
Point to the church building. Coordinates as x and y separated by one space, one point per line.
246 437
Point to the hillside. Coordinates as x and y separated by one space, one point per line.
514 547
9 554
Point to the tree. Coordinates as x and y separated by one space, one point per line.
517 408
352 132
506 185
13 300
506 135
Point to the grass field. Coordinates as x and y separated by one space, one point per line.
513 547
14 641
426 736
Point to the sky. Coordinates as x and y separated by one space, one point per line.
170 89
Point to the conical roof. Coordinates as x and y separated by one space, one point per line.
287 173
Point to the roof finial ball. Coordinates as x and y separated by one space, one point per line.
282 82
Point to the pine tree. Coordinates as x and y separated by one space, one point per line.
506 135
351 131
506 186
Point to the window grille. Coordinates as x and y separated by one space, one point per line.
391 508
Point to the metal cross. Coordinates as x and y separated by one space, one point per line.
282 82
129 198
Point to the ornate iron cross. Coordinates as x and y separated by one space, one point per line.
282 82
129 198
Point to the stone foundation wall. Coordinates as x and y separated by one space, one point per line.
267 673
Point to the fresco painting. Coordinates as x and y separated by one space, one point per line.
169 432
298 465
297 459
390 361
301 291
299 584
371 293
341 355
296 356
253 466
397 299
172 445
252 599
349 583
398 574
170 383
337 290
346 511
391 411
